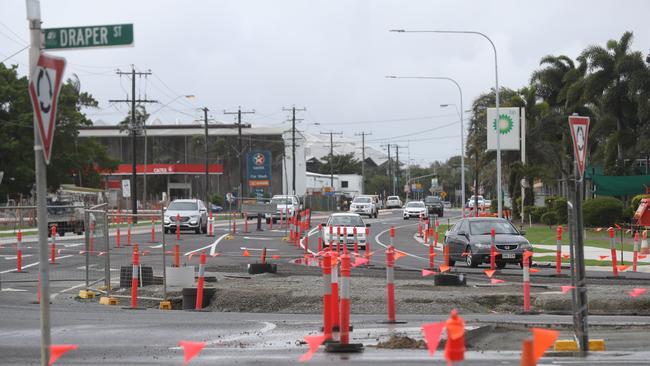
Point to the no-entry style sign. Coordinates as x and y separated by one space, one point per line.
44 89
580 133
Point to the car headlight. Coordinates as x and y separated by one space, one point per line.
483 245
526 246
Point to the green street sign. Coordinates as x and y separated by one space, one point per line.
89 36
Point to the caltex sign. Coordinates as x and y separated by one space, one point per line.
508 125
259 168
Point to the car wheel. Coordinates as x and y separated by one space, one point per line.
442 213
530 263
471 261
501 264
198 229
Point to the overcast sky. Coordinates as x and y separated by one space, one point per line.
328 56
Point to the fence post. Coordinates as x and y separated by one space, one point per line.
612 247
107 249
87 245
164 251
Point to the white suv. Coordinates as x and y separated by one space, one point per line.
286 206
393 202
193 216
364 205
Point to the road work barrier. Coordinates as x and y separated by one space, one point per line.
455 345
612 247
335 292
390 282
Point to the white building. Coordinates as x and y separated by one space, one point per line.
350 184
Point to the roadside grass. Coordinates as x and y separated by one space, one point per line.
588 262
541 234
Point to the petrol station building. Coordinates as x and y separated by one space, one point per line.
170 160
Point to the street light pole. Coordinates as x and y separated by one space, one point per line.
496 92
462 125
207 177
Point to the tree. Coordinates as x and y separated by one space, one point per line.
343 164
73 160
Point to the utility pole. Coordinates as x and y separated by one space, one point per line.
331 154
240 150
207 176
293 110
391 184
363 159
134 187
397 168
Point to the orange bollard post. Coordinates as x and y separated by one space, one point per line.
366 249
263 257
153 230
19 251
338 239
455 345
118 221
345 299
527 353
335 292
635 254
435 239
177 255
331 243
432 255
200 283
178 226
558 251
128 231
420 227
91 239
493 250
271 223
356 241
53 245
644 242
431 236
526 272
306 245
390 283
134 278
210 225
612 247
327 296
392 235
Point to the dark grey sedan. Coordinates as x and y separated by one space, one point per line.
469 240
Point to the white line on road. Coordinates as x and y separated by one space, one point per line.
256 238
268 326
155 246
36 263
13 257
13 289
213 246
53 296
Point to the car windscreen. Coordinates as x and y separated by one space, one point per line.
432 200
281 201
393 198
346 220
362 200
414 204
183 206
484 227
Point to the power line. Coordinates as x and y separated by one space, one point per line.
418 132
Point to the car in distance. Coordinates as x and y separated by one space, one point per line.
447 204
470 202
193 216
364 205
415 209
343 223
286 206
393 202
434 206
469 240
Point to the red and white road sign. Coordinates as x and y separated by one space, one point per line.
580 133
44 89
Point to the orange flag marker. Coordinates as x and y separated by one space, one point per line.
542 340
533 270
566 256
490 272
444 268
57 350
602 257
215 254
636 292
246 254
275 256
399 254
426 272
359 261
623 268
494 281
643 256
314 342
432 332
566 289
190 350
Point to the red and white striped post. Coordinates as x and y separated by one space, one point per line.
200 283
178 227
320 238
153 229
612 247
177 255
526 271
356 241
390 283
263 257
91 239
420 227
134 278
335 292
234 224
432 255
392 235
558 251
644 242
635 253
210 225
331 243
493 250
299 226
327 296
366 249
246 222
19 251
426 232
306 245
118 221
128 231
345 299
53 245
290 224
338 239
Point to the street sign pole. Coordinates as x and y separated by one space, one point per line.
34 18
579 127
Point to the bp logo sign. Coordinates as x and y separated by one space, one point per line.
507 126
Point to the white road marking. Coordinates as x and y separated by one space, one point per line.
36 263
256 238
155 246
73 245
13 257
213 246
268 326
13 290
260 249
53 296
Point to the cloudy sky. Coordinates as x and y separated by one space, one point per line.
329 56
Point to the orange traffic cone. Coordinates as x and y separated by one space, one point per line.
455 346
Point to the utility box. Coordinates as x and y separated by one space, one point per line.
642 214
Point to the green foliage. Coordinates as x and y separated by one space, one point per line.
534 213
550 218
558 205
602 211
636 200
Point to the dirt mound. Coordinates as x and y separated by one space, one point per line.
401 341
